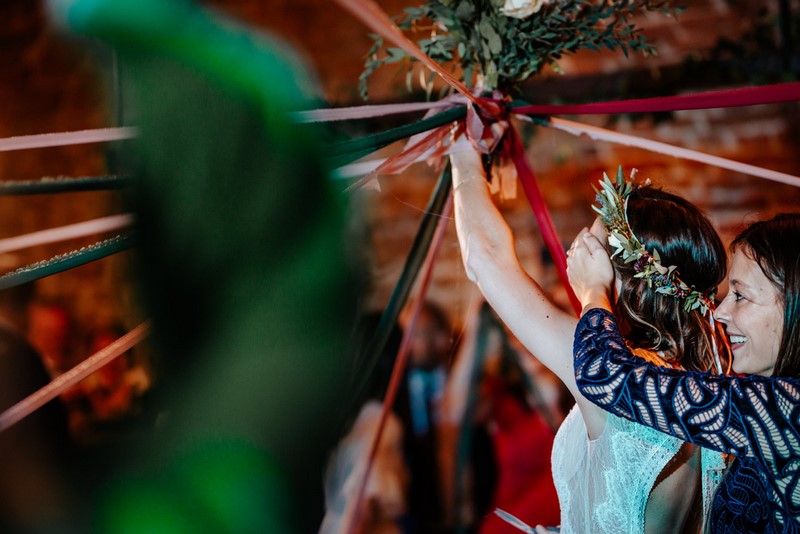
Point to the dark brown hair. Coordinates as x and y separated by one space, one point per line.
684 237
775 246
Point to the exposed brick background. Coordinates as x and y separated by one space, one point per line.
566 166
47 84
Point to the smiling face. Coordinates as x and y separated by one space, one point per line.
752 312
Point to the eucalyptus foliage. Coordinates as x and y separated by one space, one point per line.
477 41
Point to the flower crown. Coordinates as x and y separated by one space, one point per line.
613 204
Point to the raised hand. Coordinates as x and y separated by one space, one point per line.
590 271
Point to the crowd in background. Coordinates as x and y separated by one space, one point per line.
470 430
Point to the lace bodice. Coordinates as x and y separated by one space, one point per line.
753 417
603 484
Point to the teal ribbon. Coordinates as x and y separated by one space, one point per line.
64 185
414 261
345 152
67 261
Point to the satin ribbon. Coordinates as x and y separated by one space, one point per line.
744 96
373 16
63 233
371 111
546 226
66 380
577 128
354 507
432 144
66 138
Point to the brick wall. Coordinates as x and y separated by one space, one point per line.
566 166
48 85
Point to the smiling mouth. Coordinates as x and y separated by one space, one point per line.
737 341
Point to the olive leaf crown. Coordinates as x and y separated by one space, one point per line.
612 200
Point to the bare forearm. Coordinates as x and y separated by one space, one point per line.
487 248
483 234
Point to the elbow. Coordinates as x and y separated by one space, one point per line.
484 255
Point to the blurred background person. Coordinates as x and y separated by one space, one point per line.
519 403
386 494
35 454
50 331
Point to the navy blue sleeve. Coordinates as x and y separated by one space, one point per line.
748 416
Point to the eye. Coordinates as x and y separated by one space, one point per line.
737 296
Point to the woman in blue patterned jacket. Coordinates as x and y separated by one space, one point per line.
753 415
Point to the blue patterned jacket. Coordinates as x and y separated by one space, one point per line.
755 418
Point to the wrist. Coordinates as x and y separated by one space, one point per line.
595 298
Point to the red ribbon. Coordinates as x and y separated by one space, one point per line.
492 130
513 147
745 96
354 509
488 128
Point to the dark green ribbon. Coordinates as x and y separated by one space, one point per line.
345 152
414 261
64 185
64 262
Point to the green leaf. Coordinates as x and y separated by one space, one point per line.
395 55
478 38
465 10
495 44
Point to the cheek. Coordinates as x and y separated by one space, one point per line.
777 335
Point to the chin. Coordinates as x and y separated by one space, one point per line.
740 367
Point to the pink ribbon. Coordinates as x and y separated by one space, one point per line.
430 145
367 112
65 381
374 17
576 128
355 507
62 233
66 138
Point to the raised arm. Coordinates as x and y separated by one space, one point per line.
751 416
487 249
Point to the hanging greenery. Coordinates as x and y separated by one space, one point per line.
498 44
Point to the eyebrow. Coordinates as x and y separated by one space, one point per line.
739 283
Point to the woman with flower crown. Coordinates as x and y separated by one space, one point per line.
754 416
611 475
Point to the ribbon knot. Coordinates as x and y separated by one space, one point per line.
487 122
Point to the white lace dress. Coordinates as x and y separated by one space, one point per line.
603 485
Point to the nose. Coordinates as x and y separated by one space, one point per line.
723 311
